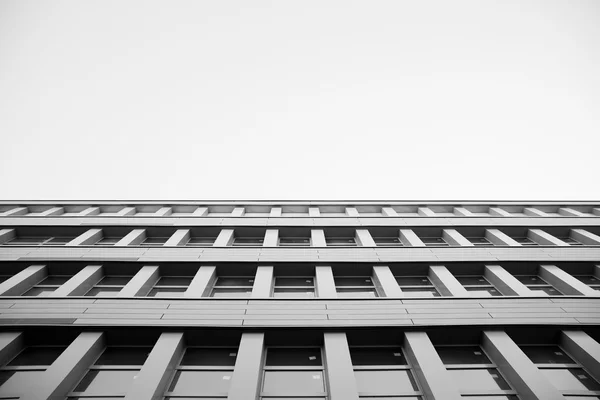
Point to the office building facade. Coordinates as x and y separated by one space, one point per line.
294 300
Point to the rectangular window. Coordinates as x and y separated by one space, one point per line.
248 241
570 241
388 241
355 286
434 242
293 372
170 286
382 371
113 372
29 364
562 371
294 241
203 371
231 286
480 241
417 286
39 241
525 241
154 241
537 284
200 241
47 286
589 280
478 285
473 371
108 241
294 287
109 286
340 241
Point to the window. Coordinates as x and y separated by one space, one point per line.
229 286
108 241
170 286
570 241
562 371
478 285
294 287
474 373
480 241
294 372
417 286
388 241
525 241
537 284
113 372
434 242
203 371
355 286
26 366
39 241
294 241
340 241
589 280
200 241
382 371
47 286
248 241
154 241
109 286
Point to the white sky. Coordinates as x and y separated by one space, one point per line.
300 99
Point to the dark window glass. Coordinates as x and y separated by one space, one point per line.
41 355
376 356
55 280
570 379
221 292
98 381
548 290
248 241
472 280
413 281
294 282
478 380
124 356
387 241
287 292
353 281
588 279
209 356
167 292
356 292
174 281
294 241
154 241
115 280
434 241
340 241
420 292
292 382
384 382
547 355
200 241
103 292
462 355
201 382
293 357
530 280
39 291
224 281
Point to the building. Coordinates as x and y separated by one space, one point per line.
298 300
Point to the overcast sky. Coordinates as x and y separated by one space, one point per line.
299 99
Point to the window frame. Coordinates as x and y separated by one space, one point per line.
307 288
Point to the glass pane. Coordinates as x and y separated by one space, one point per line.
201 382
55 280
387 241
385 382
224 281
248 242
115 280
366 281
548 290
475 380
15 381
105 381
570 379
293 382
310 356
530 280
220 292
124 356
472 280
39 291
170 292
483 292
356 293
154 241
496 397
434 242
106 241
588 279
294 282
340 241
37 356
209 356
377 356
104 292
413 281
174 281
462 355
58 241
200 241
581 397
546 355
294 241
290 293
420 292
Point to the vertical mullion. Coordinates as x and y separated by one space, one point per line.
340 373
245 383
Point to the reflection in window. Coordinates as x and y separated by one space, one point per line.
294 287
232 286
27 366
355 286
293 372
417 286
204 371
382 371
